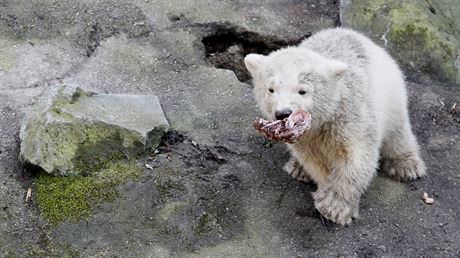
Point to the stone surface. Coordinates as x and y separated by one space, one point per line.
423 35
69 130
216 188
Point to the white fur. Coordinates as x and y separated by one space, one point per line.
356 94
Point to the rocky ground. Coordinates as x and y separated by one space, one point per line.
215 187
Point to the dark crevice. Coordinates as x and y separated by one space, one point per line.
431 7
176 18
97 34
337 20
227 45
30 170
95 38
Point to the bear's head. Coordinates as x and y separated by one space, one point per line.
295 78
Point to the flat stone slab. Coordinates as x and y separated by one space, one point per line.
69 130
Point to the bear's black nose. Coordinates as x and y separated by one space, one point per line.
282 114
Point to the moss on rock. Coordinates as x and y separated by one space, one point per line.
422 35
70 197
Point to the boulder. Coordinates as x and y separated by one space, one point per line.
71 131
423 35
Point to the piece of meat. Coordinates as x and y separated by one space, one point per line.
426 199
287 130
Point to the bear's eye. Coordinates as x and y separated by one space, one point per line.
302 92
271 90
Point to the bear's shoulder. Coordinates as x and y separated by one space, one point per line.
340 44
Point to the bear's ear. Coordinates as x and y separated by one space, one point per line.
337 69
253 62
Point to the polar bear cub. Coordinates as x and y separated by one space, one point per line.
356 95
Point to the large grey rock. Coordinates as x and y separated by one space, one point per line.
70 130
424 36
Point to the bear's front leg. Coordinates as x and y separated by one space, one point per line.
337 199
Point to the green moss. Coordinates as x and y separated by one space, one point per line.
70 198
102 146
10 255
432 55
71 149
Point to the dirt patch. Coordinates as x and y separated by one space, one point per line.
193 154
227 45
447 113
195 193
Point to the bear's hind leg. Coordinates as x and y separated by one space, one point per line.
400 155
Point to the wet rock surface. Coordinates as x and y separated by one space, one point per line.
215 187
69 130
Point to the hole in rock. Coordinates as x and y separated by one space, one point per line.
226 47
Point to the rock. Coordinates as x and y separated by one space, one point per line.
72 131
424 36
